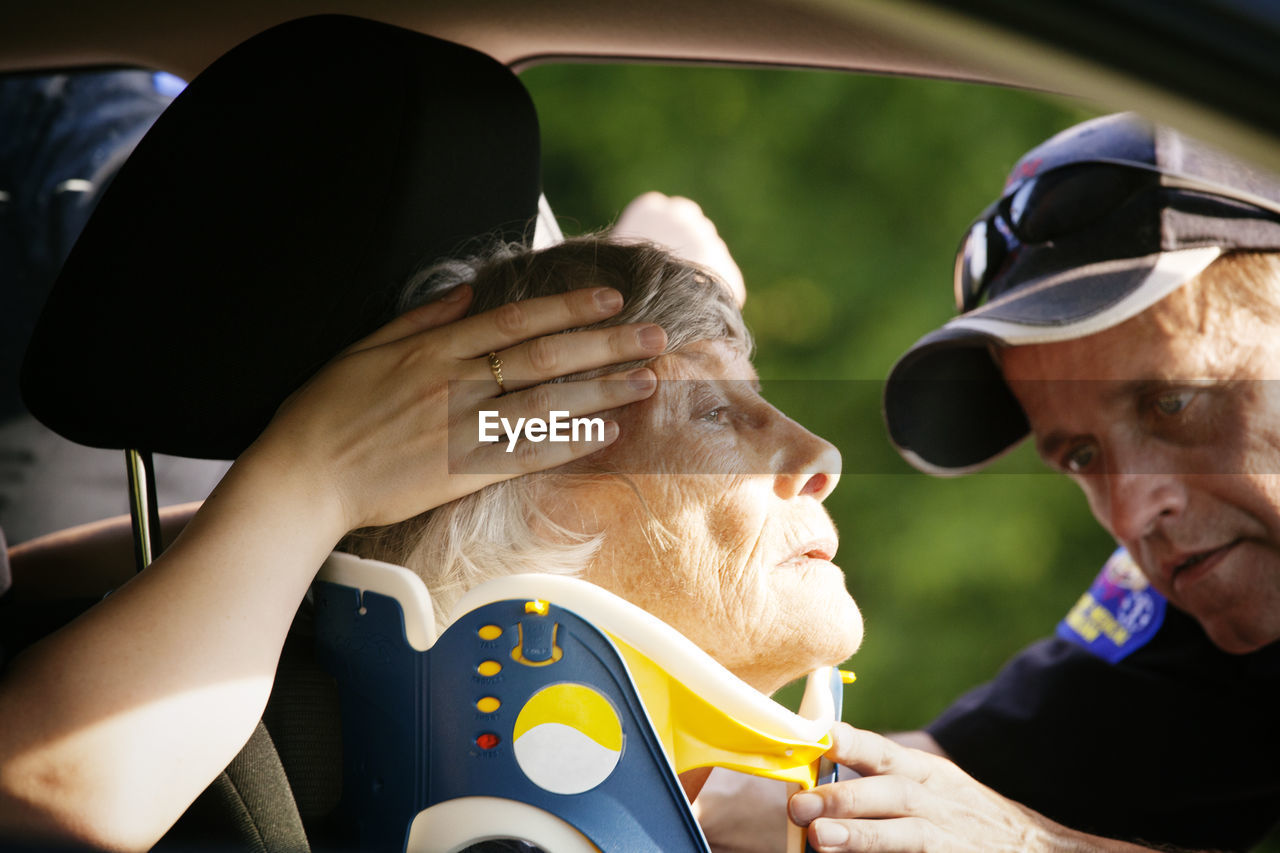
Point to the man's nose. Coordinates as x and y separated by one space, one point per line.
1137 503
812 466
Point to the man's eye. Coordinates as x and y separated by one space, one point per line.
1172 402
715 416
1079 458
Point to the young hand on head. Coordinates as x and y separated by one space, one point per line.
383 428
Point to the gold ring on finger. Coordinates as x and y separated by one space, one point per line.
495 367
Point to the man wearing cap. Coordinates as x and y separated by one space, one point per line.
1120 303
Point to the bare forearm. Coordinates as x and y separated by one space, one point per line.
129 731
1064 840
1048 837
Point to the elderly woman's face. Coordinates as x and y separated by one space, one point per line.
727 539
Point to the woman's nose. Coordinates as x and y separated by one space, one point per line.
812 466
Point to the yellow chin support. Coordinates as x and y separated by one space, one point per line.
704 715
697 734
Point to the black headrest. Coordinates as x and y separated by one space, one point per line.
267 220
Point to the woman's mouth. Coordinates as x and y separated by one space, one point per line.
818 549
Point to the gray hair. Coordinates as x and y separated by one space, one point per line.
502 529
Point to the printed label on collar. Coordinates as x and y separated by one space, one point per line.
1118 615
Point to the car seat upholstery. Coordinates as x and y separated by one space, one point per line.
267 220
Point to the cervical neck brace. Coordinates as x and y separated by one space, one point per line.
523 701
705 715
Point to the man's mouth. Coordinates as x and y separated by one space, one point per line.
1195 565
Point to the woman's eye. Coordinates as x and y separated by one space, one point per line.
715 416
1172 402
1079 458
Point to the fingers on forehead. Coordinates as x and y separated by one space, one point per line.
558 355
515 322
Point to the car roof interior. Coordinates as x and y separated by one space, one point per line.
1206 65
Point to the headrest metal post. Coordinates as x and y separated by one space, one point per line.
144 507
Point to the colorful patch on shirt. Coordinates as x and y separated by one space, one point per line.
1118 615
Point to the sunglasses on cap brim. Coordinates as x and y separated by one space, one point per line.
1059 202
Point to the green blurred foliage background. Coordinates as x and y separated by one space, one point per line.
843 197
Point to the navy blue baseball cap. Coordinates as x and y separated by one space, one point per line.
1094 226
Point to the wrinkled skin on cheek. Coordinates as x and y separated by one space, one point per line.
711 553
1170 424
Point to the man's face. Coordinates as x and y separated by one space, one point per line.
1168 426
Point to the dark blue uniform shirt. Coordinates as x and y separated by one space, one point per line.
1130 724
